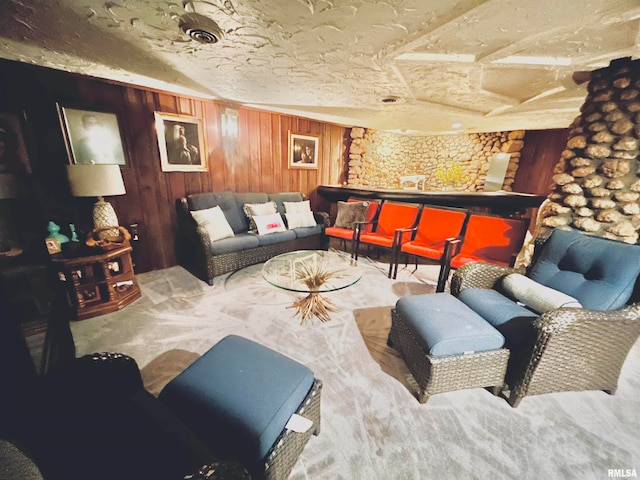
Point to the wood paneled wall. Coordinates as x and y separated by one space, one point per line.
541 152
255 162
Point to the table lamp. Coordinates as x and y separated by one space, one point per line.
97 181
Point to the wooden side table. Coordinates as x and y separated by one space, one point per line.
100 283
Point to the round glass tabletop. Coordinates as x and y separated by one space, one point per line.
312 271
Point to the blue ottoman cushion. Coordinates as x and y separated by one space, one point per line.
513 321
445 326
238 397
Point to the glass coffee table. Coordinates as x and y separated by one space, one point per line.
313 272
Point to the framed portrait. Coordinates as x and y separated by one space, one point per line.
303 151
13 151
53 245
181 143
91 137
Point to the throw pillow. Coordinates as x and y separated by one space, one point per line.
297 207
214 222
297 220
534 295
269 223
351 212
253 209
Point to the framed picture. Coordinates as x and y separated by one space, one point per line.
13 151
53 245
303 151
91 137
181 143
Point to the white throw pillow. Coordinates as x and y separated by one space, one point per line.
269 223
297 207
534 295
253 209
298 220
214 222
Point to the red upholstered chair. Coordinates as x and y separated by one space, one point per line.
487 238
427 240
384 233
346 233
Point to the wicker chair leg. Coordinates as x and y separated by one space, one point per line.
514 400
423 396
496 390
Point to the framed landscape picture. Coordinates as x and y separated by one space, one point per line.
13 151
303 151
181 143
91 137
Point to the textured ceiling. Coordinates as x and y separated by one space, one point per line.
335 60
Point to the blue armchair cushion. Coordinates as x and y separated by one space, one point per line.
445 326
599 273
534 295
238 397
513 321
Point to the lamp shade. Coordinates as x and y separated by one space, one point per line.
95 180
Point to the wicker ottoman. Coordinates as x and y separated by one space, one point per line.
237 399
446 345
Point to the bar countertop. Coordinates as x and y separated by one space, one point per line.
499 201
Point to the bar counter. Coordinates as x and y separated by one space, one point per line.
499 202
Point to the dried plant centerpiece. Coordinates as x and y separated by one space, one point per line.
314 275
312 272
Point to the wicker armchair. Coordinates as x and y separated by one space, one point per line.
569 349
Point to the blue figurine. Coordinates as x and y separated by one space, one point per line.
74 235
54 232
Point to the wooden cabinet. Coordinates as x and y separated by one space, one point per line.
99 284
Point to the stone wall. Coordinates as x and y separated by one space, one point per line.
378 159
597 184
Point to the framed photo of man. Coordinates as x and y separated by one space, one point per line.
91 137
181 143
303 151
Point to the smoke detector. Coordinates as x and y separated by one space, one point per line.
200 28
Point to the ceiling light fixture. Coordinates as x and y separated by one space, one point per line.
200 28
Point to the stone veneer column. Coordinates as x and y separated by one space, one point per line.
596 180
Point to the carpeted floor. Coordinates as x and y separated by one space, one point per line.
372 425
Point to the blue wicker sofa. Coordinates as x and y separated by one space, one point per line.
207 259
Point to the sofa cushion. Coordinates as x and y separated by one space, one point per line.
599 273
268 224
282 197
303 232
238 397
240 241
297 207
258 209
278 237
351 212
514 321
298 220
446 326
226 201
534 295
200 201
214 222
